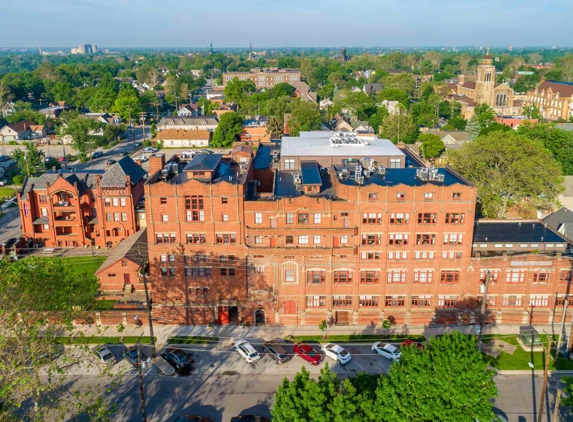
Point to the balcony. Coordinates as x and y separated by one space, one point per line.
63 206
63 222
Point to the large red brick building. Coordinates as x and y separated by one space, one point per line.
81 208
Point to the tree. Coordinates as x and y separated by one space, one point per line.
473 127
29 115
377 118
29 160
567 398
565 65
229 129
559 142
275 127
111 133
304 116
535 58
448 381
394 94
399 128
81 130
237 90
51 295
432 145
127 105
485 115
494 127
508 167
403 81
5 93
283 90
532 111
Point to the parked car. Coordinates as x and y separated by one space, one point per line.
307 353
177 358
62 159
408 343
97 154
137 144
150 150
4 158
105 356
193 418
48 159
250 418
141 158
130 355
247 351
336 352
3 182
387 350
187 155
111 162
123 153
276 351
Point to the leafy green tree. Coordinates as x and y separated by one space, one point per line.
473 127
558 141
111 133
51 295
494 127
377 118
62 91
283 90
229 129
30 159
101 100
485 115
237 90
81 130
526 83
508 167
127 104
448 381
400 128
432 145
532 111
394 94
304 116
275 127
29 115
567 398
403 81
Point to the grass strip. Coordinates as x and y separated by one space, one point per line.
103 340
192 340
352 338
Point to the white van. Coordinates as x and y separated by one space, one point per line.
188 155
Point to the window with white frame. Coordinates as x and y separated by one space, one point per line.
397 255
316 240
451 255
303 240
512 301
289 164
428 196
258 240
538 300
447 301
515 276
343 240
225 218
423 276
290 218
425 255
122 201
317 218
258 218
396 276
399 218
394 163
453 239
398 239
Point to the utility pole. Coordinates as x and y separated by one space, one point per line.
569 339
143 263
140 376
545 376
483 308
556 409
142 119
565 303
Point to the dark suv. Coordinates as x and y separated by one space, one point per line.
276 351
180 360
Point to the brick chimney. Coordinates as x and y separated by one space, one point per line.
156 163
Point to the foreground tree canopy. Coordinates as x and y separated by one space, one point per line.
508 168
448 381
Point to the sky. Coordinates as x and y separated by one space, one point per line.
285 23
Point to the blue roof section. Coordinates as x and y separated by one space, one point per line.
263 158
535 232
310 173
204 162
406 176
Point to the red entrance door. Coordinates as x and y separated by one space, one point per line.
223 315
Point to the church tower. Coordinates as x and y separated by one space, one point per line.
485 82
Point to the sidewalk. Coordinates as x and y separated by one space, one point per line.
229 333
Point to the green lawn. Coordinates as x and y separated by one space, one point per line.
104 305
84 264
7 192
192 340
520 359
103 340
353 338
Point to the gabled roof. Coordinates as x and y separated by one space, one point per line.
564 89
559 217
169 134
20 127
204 162
469 85
196 121
369 88
116 175
85 180
129 249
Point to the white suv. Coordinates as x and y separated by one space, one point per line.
336 352
389 351
247 351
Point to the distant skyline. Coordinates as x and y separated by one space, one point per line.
291 23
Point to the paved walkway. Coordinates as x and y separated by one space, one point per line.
228 333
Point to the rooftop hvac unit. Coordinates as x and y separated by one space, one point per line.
297 179
366 174
360 180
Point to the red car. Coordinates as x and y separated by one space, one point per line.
407 343
307 353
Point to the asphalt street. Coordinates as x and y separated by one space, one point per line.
222 385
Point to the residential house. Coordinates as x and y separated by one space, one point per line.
393 107
452 139
372 89
255 135
53 111
302 91
180 138
189 110
361 127
368 73
7 109
22 131
325 103
121 271
561 221
188 123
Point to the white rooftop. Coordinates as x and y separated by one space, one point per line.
340 144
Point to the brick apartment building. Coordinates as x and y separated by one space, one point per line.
554 99
84 208
265 78
282 238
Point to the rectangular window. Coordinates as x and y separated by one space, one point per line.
371 255
395 301
289 164
451 255
515 276
400 196
290 218
165 218
289 240
116 216
428 196
454 218
398 239
46 226
341 301
258 218
289 276
427 218
512 301
44 212
224 201
373 197
368 301
108 216
453 239
371 239
372 218
394 163
303 218
116 202
450 277
369 277
317 218
397 255
421 301
225 218
540 277
423 276
425 239
447 301
424 255
343 240
201 272
42 199
226 238
122 202
123 216
315 301
538 300
258 240
399 218
162 201
303 240
316 240
396 276
195 238
315 277
343 277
